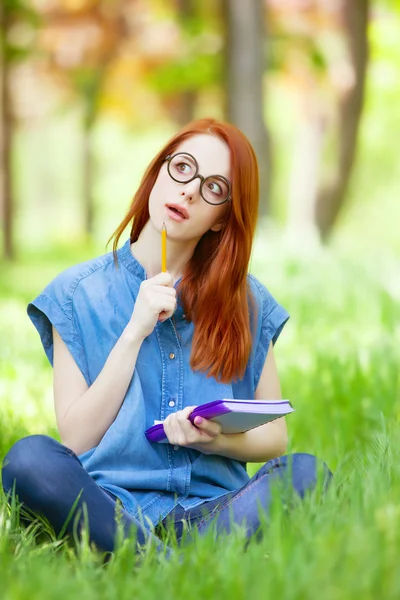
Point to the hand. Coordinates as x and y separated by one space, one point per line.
201 436
156 301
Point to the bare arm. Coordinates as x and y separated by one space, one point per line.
264 442
85 413
257 445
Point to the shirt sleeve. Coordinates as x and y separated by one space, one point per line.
54 307
270 322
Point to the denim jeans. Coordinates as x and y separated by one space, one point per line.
49 477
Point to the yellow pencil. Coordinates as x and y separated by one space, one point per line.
163 248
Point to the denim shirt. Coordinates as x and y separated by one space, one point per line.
90 304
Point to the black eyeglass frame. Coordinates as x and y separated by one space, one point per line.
201 177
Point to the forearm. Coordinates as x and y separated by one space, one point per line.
88 418
256 445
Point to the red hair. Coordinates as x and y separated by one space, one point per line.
213 289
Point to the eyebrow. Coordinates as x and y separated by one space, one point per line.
214 172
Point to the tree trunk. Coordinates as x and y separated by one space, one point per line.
303 185
185 108
331 196
6 192
245 66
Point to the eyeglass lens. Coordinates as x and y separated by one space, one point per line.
183 168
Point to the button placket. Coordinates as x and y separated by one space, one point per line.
172 392
171 384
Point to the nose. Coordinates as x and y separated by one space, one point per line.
190 189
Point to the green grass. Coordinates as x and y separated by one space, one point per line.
338 359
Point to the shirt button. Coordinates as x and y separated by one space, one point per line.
176 448
183 316
171 403
172 355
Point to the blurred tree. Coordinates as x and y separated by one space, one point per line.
245 68
320 48
82 41
6 196
185 70
186 10
354 16
15 15
132 60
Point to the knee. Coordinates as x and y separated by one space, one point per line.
306 471
26 461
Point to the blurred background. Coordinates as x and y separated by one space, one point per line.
91 89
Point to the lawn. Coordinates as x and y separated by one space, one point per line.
338 359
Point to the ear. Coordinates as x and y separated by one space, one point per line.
217 227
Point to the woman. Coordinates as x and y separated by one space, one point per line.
130 345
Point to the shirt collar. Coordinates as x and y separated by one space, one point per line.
130 262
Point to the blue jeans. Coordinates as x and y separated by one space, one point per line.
49 477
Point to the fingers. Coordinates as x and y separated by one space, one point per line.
150 289
165 306
209 427
178 428
165 315
156 301
161 289
182 432
159 299
160 279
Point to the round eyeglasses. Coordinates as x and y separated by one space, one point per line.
183 167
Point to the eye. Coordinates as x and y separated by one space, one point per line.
214 187
184 168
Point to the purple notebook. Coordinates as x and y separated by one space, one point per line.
234 416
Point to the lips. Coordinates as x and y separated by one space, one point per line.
179 210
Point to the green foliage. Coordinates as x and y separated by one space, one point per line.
392 5
186 73
18 12
20 9
338 360
198 65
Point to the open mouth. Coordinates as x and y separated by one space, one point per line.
178 211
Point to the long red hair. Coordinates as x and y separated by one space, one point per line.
213 289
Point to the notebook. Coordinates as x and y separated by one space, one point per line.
234 416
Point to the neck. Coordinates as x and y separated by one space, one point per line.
147 250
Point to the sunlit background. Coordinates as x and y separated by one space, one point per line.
91 90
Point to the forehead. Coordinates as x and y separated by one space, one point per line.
212 154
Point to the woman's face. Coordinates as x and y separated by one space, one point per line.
169 198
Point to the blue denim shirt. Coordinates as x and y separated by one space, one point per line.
90 304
